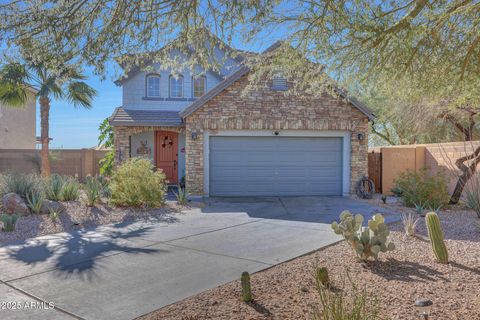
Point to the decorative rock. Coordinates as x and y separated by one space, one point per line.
13 203
50 204
423 302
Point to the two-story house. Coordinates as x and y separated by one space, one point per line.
227 140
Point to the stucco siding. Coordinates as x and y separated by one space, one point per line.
17 126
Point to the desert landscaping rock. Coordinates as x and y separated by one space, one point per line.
397 279
14 204
48 205
423 302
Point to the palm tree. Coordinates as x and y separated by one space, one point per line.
16 79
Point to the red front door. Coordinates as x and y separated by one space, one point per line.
166 154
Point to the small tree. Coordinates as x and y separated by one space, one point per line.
106 139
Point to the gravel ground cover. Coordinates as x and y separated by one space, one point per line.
77 216
397 279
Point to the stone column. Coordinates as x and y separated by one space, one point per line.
121 137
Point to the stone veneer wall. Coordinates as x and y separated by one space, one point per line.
121 137
265 109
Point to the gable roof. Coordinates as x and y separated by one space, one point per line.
243 71
146 58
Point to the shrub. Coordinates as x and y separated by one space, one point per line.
345 304
136 183
9 222
93 190
409 223
367 242
416 187
21 184
71 190
54 187
182 195
105 186
472 194
35 201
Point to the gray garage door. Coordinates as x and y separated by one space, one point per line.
266 166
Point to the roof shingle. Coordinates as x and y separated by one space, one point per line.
131 117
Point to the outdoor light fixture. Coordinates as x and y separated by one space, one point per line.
424 306
194 135
360 136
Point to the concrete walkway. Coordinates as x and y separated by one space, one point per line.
124 271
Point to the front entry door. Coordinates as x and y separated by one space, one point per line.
166 154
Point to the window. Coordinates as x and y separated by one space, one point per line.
176 87
199 86
279 82
153 85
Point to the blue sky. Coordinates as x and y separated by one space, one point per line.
73 128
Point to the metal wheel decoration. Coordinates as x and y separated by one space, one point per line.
365 188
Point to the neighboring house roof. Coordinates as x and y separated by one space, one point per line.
130 117
243 71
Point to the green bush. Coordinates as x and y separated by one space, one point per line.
418 188
70 190
93 190
136 183
21 184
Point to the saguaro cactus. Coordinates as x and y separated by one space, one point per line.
246 290
435 234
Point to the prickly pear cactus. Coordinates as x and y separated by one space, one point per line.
435 234
321 277
246 290
366 241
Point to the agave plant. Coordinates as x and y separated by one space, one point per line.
410 223
93 190
9 222
182 195
35 201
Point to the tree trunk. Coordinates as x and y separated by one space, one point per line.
467 173
44 135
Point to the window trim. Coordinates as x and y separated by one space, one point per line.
204 86
151 75
170 86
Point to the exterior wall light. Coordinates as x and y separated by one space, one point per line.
360 136
194 135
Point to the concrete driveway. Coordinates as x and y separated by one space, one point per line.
126 270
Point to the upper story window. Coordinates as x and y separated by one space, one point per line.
153 85
279 82
176 87
199 86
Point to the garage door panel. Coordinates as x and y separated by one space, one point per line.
263 166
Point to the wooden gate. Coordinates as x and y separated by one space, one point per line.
375 169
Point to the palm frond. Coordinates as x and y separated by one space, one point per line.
13 95
81 94
13 85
